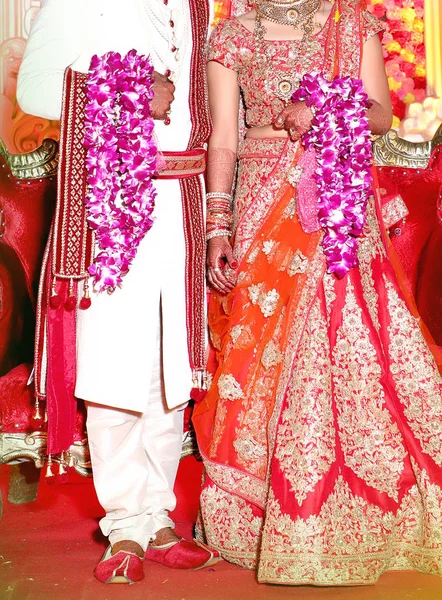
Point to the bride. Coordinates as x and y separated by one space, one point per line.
321 433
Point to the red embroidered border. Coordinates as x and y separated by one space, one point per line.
73 240
192 192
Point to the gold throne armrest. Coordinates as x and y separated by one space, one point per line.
37 164
390 150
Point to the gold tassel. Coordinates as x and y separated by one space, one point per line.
71 461
62 465
37 415
49 472
194 379
46 416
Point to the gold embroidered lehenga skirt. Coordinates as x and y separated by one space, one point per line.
322 431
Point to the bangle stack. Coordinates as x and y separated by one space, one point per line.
219 214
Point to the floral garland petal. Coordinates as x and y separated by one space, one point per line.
121 157
340 136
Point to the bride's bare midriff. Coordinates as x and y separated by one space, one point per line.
266 131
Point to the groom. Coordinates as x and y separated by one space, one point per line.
140 349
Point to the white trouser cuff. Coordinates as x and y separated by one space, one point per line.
141 535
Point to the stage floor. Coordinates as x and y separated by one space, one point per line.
48 550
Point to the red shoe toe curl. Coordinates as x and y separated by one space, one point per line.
122 567
183 555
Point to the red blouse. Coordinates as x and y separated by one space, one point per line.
233 45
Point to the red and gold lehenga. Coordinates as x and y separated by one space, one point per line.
321 433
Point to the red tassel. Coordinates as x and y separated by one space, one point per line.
198 395
63 476
55 301
71 301
85 303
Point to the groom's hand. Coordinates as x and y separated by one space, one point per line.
163 90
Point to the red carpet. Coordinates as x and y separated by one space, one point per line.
48 550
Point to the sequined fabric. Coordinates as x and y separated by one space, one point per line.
322 432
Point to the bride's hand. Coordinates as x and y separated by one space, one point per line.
295 118
220 255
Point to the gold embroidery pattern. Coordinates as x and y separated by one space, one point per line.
236 332
351 541
347 542
371 441
259 182
294 175
254 292
268 302
253 254
370 247
229 388
251 438
393 211
230 526
306 434
418 383
240 483
269 247
215 339
298 264
290 211
251 444
418 530
329 292
297 318
217 434
271 356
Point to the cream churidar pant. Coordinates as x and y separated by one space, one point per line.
124 352
135 458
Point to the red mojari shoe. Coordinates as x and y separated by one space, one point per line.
122 567
183 554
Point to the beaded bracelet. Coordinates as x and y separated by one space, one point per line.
223 195
219 205
218 233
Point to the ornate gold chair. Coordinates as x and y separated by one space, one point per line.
412 173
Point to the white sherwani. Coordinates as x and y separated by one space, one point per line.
116 341
119 359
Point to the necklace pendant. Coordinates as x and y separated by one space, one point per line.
293 16
285 89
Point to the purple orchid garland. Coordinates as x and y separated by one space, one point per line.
121 157
340 136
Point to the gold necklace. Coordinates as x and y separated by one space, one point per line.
298 13
284 84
